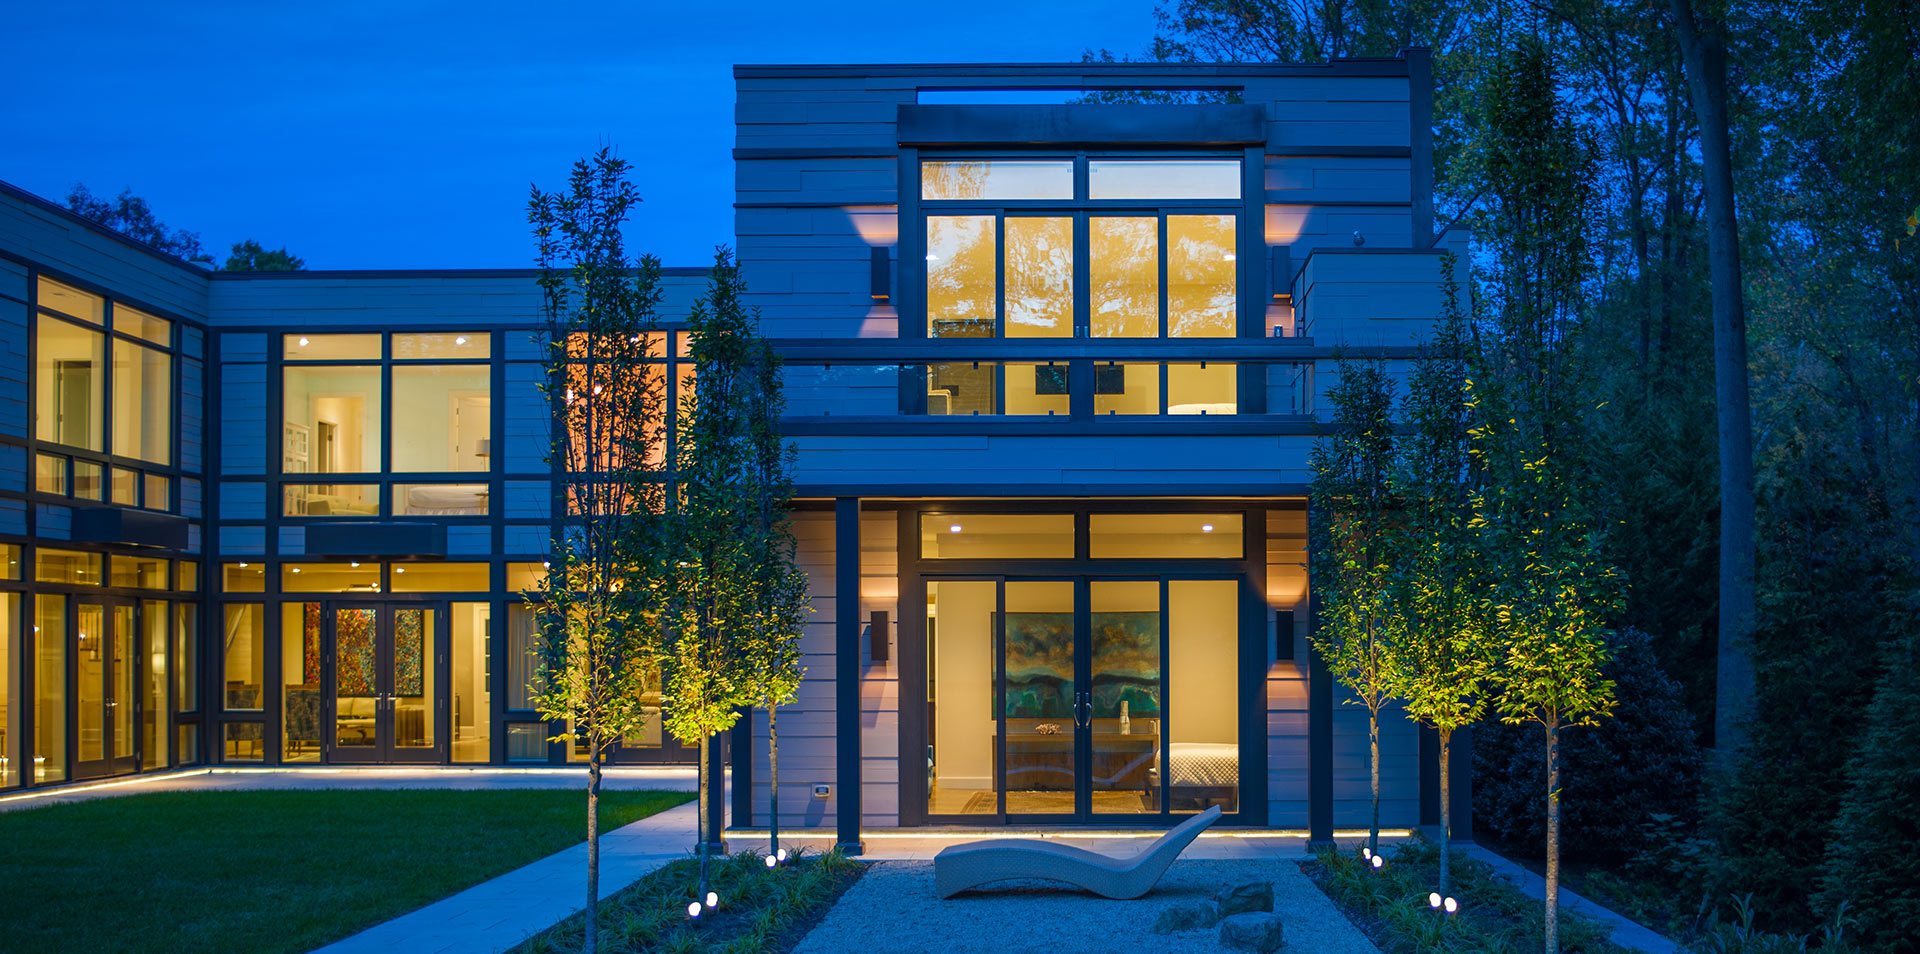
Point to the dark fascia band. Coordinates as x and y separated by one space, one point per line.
1084 124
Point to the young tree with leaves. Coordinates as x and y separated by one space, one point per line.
715 610
1443 657
597 648
1353 548
777 597
1551 590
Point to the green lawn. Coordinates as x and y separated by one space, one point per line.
267 870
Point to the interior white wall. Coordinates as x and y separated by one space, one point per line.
1203 641
962 611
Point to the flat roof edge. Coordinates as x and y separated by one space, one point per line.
400 273
12 191
1369 66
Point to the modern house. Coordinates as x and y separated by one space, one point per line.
1055 337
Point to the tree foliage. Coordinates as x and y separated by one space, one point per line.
598 647
131 216
1353 529
251 256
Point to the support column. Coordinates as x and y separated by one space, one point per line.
846 682
1319 742
716 769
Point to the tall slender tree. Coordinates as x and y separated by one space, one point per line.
1353 552
713 610
597 648
777 600
1443 659
1550 596
1703 46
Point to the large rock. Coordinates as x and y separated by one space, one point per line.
1254 931
1246 896
1187 916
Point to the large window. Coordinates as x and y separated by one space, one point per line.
69 378
362 405
1001 240
142 402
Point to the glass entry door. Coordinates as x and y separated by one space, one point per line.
105 700
1061 700
384 674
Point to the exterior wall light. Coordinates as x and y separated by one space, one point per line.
880 275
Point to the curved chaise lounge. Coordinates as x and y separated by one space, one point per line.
959 867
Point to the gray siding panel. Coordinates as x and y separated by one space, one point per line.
243 418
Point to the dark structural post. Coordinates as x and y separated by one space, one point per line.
1319 742
846 681
716 768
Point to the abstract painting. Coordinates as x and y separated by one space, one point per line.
409 652
1126 664
1040 666
353 653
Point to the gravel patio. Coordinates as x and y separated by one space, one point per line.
893 909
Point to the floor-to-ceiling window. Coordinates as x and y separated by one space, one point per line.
1081 664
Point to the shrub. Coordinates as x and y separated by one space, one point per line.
1616 777
1871 867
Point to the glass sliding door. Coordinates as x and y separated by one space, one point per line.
1043 697
963 775
1053 700
385 676
1126 683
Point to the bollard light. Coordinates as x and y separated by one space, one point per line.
1452 906
693 909
771 862
1366 853
1433 900
713 900
782 855
1378 861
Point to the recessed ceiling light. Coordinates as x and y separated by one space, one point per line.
954 529
1206 528
460 340
243 566
399 569
303 341
296 569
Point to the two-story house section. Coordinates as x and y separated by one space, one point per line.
1056 342
1057 338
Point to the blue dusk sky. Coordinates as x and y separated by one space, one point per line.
405 134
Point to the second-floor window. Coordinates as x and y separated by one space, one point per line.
1081 247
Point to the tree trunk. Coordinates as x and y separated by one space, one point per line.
773 783
700 821
1703 48
1373 745
591 942
1553 835
1446 810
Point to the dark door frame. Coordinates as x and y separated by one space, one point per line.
385 750
1254 619
108 764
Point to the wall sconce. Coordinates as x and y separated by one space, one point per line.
483 447
877 635
1283 635
880 276
1280 272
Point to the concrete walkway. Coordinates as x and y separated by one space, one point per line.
1627 932
497 914
674 778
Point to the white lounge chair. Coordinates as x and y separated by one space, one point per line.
959 867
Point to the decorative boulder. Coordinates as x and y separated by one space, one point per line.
1246 896
1255 931
1187 916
